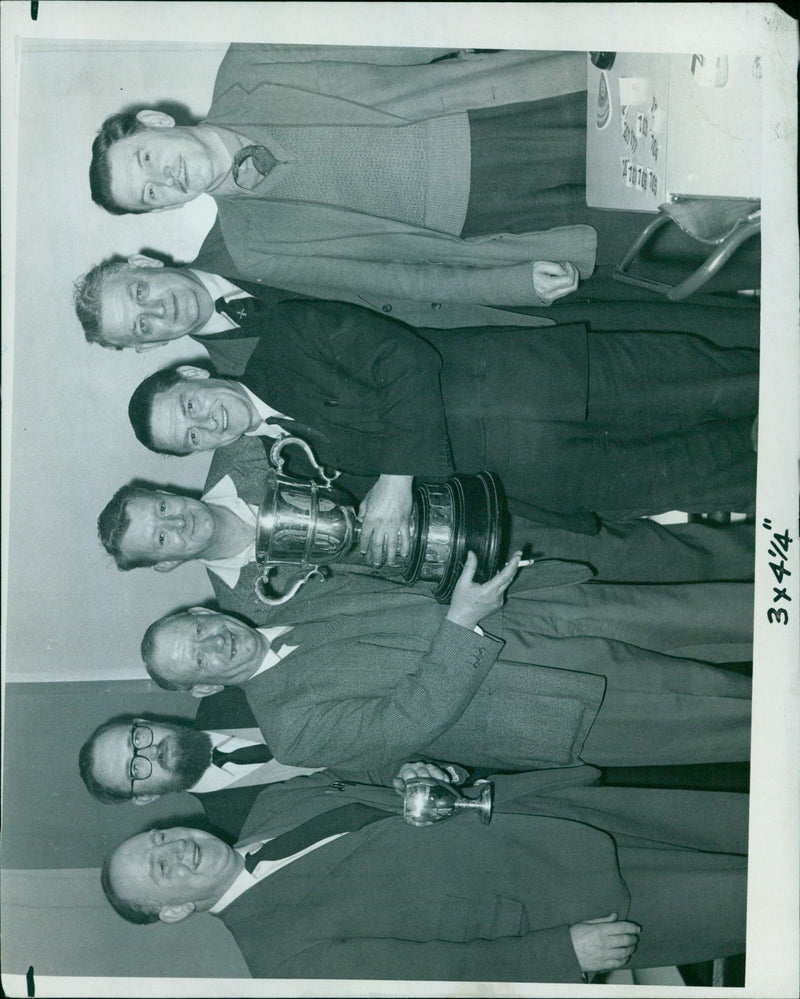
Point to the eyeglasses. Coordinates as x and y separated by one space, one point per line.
140 766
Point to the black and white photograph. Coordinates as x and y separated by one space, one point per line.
400 494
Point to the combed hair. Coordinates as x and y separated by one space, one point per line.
88 298
114 521
133 911
115 127
140 408
148 649
86 763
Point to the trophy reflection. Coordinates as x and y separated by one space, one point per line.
428 801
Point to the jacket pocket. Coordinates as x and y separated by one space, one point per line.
490 917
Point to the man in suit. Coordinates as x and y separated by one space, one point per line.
138 302
222 762
566 880
395 675
622 423
627 552
129 303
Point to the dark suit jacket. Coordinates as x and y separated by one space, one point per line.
376 398
497 901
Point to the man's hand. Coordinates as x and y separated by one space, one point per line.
385 515
473 601
605 943
408 771
552 281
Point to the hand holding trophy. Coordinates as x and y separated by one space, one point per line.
429 796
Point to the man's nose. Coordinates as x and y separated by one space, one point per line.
215 643
154 307
176 520
170 178
173 850
203 421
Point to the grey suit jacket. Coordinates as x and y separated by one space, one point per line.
499 899
336 254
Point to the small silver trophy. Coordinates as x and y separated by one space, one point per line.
428 801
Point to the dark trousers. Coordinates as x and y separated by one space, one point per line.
667 426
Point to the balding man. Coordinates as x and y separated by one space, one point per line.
568 879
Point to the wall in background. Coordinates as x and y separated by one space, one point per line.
71 614
59 922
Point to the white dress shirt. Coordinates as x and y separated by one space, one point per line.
224 495
218 287
272 657
247 774
266 413
263 869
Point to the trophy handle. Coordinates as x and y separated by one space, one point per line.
277 461
260 586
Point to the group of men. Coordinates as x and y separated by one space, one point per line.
375 283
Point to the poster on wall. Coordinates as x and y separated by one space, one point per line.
534 557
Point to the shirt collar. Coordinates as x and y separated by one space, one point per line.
224 495
266 413
272 657
218 287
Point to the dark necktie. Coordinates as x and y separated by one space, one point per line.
247 754
348 818
260 158
241 310
311 435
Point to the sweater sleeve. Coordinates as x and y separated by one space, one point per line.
356 733
502 284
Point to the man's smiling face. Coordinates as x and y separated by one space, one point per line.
200 413
167 528
174 871
202 647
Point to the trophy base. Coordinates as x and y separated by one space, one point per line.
471 517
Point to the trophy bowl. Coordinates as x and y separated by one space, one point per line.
428 801
309 524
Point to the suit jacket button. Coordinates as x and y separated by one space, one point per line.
336 785
436 306
386 308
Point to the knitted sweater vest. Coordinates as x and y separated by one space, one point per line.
417 173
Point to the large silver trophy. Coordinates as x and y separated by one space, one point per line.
312 524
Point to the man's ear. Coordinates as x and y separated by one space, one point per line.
142 348
166 566
206 689
175 913
155 119
140 260
190 371
144 799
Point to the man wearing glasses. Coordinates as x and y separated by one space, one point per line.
140 759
